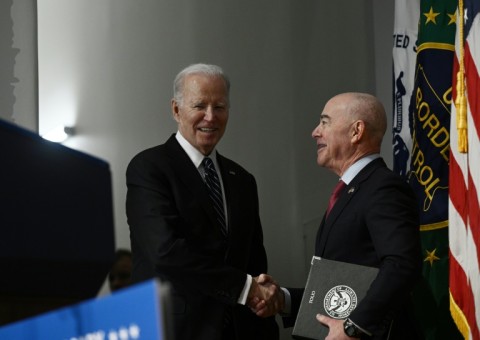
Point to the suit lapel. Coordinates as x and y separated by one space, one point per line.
189 175
328 222
342 203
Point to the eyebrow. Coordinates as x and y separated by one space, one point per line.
324 116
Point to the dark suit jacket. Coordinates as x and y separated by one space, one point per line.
375 223
176 237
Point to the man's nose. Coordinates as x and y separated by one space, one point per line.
209 113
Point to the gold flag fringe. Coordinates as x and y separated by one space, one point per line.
461 100
459 318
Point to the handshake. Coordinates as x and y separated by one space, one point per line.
265 297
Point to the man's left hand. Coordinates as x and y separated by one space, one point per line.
335 326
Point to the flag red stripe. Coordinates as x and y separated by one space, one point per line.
474 215
473 84
463 294
473 87
457 189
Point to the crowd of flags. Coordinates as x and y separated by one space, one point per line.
436 126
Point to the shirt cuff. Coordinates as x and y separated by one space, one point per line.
242 299
287 309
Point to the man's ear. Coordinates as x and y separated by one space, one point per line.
175 109
358 129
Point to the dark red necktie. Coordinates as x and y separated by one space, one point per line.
336 192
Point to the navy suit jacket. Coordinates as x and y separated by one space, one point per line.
375 222
176 237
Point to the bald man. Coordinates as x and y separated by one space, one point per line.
374 222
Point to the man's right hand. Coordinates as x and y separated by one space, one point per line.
265 297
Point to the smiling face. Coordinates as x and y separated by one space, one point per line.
334 136
351 127
202 114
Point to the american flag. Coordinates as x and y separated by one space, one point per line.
464 181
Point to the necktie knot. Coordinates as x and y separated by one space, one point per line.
334 197
208 164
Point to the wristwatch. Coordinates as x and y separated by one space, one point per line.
351 330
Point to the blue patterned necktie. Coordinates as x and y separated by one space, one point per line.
215 191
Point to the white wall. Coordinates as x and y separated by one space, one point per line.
18 63
106 66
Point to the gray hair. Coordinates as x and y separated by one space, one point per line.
205 69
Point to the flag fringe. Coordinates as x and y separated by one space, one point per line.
459 318
461 105
461 101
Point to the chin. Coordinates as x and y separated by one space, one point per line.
208 143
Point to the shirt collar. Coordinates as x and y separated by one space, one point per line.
356 167
195 155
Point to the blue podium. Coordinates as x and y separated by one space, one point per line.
136 312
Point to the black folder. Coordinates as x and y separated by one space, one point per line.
333 289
